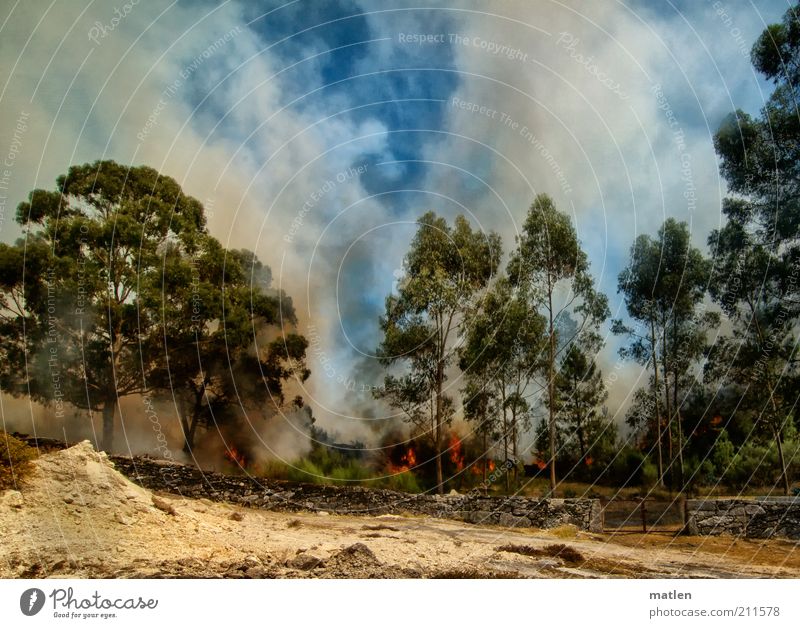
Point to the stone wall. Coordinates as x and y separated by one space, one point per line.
189 481
756 519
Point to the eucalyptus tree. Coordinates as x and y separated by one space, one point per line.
503 352
757 251
92 256
581 394
229 342
552 268
444 269
663 286
751 284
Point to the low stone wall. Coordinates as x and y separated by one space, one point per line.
756 519
189 481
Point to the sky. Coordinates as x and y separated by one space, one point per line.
316 133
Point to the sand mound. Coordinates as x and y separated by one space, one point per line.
77 516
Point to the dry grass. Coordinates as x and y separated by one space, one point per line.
15 460
773 552
568 554
470 573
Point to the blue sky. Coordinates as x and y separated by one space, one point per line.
303 93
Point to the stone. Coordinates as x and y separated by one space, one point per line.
164 505
304 562
13 499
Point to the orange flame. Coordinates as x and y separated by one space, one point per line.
236 457
541 464
456 452
589 460
407 461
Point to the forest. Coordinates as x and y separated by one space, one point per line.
119 290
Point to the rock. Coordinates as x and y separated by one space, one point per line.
548 563
237 516
123 519
164 505
13 499
323 513
304 562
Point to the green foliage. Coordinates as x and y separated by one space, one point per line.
15 458
549 261
125 292
444 269
758 249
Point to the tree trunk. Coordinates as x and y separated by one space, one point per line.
505 439
485 455
657 404
782 461
109 411
676 406
551 394
514 439
190 425
438 436
667 409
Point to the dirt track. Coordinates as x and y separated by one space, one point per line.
78 517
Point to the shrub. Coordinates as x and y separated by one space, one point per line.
15 460
405 482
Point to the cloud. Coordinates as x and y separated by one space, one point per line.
315 133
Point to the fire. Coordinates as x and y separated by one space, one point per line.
236 457
456 452
478 467
541 464
407 461
589 461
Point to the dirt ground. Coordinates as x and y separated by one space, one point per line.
78 517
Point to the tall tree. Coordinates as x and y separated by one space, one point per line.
757 250
219 354
105 230
445 268
503 352
581 393
663 285
553 269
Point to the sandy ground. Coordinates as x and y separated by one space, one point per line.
78 517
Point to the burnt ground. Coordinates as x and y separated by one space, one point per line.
77 516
